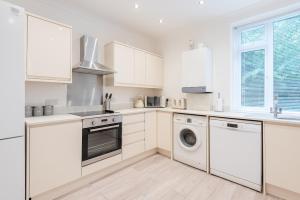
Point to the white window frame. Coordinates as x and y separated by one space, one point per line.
267 45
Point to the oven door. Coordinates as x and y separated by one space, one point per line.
101 142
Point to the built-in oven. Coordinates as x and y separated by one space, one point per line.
101 138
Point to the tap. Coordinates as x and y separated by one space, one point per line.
275 109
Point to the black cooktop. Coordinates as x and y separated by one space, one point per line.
92 113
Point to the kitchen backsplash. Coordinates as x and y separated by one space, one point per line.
56 94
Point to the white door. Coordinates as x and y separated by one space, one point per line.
154 71
139 67
12 65
12 169
49 50
55 156
124 64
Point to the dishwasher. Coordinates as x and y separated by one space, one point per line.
236 151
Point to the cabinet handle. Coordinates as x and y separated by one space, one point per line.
105 128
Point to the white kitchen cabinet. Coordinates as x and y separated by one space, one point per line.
150 131
49 51
123 64
54 156
154 71
282 161
133 135
139 67
134 67
164 130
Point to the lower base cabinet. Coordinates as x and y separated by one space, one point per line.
133 138
150 130
54 150
282 160
54 156
164 130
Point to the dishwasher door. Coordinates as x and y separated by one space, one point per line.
236 151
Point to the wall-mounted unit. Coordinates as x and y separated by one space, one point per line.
134 67
49 50
197 71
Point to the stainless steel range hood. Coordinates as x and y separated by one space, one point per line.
89 56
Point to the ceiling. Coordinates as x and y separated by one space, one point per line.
146 19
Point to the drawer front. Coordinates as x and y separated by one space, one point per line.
129 119
132 138
133 128
132 150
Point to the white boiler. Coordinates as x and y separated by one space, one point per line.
197 70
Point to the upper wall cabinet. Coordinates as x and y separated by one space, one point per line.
124 64
134 67
154 72
49 51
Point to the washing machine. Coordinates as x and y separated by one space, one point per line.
190 140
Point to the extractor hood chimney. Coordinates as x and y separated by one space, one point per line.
89 56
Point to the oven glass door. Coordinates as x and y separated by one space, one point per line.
99 143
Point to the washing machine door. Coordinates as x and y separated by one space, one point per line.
188 139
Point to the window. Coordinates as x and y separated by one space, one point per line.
267 64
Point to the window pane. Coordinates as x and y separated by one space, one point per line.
287 63
253 78
253 35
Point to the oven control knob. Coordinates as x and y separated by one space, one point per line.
93 123
113 120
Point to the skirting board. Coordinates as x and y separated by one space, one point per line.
164 153
281 193
84 181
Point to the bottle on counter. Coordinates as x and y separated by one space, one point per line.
219 104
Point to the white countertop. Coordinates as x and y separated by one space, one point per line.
33 121
267 118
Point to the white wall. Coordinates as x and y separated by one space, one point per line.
216 34
83 23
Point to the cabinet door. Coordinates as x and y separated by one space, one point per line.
124 64
49 51
55 156
154 71
282 156
139 67
150 131
164 130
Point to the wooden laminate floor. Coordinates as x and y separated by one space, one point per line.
158 178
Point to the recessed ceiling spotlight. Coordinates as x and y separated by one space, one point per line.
161 21
201 2
136 5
